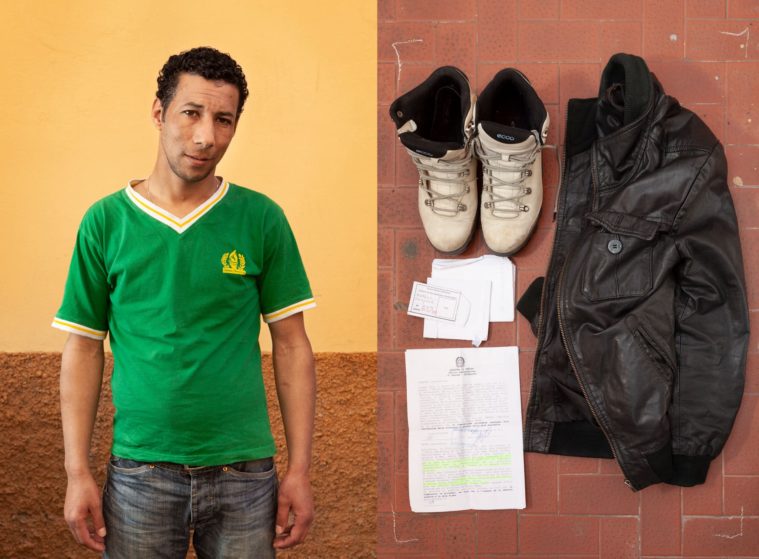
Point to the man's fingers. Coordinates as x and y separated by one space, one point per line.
299 531
98 522
286 539
74 532
82 535
283 514
294 534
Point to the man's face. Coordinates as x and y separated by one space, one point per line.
196 126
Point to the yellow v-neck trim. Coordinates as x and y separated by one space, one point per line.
178 224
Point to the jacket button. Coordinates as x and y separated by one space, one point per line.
615 246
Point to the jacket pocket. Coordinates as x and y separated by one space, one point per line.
655 352
620 259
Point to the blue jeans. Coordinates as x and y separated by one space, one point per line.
151 508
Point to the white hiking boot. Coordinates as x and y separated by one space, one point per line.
435 123
512 125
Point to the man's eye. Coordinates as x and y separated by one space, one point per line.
225 121
190 112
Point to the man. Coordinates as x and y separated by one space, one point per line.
178 268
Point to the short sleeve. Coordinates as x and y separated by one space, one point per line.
84 310
283 285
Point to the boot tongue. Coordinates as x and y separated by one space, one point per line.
502 138
446 151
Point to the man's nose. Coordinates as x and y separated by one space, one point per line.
204 133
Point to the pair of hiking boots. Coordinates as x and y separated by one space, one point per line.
446 129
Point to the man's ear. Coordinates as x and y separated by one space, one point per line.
156 113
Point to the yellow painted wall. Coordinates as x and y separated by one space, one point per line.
78 79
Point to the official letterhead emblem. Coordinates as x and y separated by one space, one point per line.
233 263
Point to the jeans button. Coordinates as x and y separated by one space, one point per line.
615 246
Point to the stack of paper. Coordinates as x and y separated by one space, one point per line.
498 270
462 297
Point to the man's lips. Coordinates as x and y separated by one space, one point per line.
197 160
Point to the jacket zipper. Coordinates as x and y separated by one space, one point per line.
565 340
565 343
540 332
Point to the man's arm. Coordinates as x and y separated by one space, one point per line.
296 389
81 377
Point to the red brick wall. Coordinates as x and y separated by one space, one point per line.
577 507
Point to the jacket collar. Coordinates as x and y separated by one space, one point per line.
616 151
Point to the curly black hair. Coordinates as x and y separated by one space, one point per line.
206 62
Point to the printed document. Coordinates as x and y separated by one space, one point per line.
465 429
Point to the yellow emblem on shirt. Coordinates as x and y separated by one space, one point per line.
233 263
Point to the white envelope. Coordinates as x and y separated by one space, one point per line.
497 269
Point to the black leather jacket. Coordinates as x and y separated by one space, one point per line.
642 321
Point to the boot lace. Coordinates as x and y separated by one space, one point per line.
506 193
455 173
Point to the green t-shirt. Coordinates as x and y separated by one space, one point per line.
181 299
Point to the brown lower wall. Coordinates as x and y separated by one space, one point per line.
33 483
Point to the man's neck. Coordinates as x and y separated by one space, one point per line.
175 195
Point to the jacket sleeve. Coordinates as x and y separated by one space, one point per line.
711 323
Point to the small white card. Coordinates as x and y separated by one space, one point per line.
429 301
472 316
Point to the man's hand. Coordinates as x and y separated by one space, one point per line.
295 497
83 512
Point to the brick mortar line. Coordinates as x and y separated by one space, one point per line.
435 22
573 515
711 61
594 474
640 523
684 52
720 517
